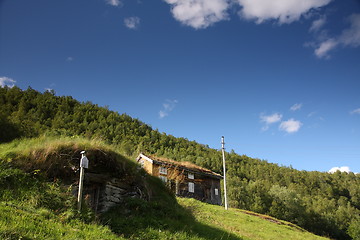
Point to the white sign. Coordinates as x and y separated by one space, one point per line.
191 187
84 162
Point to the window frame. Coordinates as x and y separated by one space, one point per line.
163 170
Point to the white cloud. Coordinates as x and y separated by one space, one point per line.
203 13
168 106
296 106
5 81
349 37
270 119
199 13
284 11
132 22
317 24
355 111
276 117
69 59
290 126
325 47
114 3
162 114
341 169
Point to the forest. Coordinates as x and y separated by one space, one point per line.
323 203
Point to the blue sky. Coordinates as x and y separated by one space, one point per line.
279 79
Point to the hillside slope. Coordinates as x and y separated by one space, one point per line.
326 204
245 224
35 204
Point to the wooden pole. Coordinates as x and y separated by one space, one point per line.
84 162
80 193
223 155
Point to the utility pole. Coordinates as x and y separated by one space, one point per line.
84 163
223 155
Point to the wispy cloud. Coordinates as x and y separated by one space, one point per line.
69 59
349 37
296 106
270 119
355 111
199 13
132 22
283 11
341 169
6 81
290 126
115 3
322 51
311 114
317 24
168 106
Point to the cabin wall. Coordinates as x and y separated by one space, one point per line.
204 186
178 181
204 190
148 166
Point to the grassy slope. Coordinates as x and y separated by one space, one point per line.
244 224
32 207
24 222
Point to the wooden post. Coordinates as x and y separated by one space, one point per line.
80 193
223 155
177 183
84 163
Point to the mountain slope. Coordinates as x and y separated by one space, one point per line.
326 204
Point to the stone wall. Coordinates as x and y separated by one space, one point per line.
102 193
115 192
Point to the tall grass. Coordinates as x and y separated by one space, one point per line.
59 157
19 222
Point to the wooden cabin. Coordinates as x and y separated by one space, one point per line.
185 179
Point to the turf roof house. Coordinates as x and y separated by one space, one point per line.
184 179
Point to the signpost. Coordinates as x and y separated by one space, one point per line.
84 163
223 155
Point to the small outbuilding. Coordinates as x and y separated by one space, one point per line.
185 179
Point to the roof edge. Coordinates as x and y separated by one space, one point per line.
178 164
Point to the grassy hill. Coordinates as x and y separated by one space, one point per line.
322 203
36 201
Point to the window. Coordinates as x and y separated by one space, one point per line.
163 178
191 187
216 191
191 176
141 163
163 170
